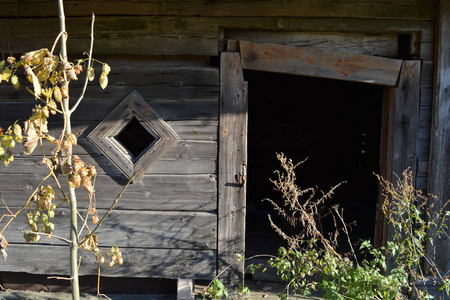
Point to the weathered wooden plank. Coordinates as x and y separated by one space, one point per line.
320 63
423 141
195 129
406 119
422 166
186 157
439 173
386 153
131 228
232 164
368 44
133 73
14 40
166 263
150 92
97 111
427 74
426 97
117 35
399 9
425 117
403 119
427 51
198 130
153 192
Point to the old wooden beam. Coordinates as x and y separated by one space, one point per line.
385 9
385 45
439 166
406 119
232 164
319 63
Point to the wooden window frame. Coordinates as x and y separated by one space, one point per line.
398 150
103 136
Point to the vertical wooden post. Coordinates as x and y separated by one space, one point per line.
439 166
406 119
232 165
386 151
400 130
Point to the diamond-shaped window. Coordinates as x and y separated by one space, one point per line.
133 136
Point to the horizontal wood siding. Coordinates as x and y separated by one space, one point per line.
138 262
139 229
153 192
167 221
385 9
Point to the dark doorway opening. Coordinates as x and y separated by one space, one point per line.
335 124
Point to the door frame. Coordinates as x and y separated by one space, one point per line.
398 150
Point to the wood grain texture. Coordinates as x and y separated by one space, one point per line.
180 35
439 173
319 63
385 45
232 164
138 262
395 9
187 130
135 228
154 192
154 83
403 128
97 111
186 157
406 120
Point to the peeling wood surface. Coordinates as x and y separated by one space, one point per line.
319 63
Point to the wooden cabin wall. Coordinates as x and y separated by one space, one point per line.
167 222
202 28
133 30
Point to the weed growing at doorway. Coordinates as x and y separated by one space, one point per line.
408 212
312 261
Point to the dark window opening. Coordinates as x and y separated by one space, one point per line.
336 125
135 138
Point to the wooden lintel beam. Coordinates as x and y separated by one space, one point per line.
319 63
